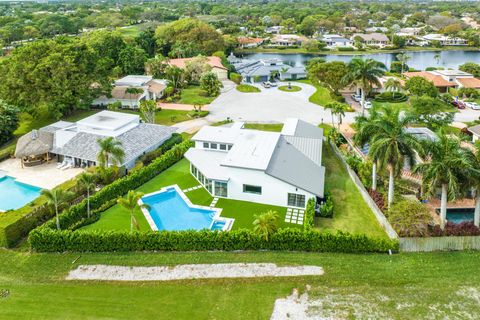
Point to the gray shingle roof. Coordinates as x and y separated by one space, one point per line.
134 142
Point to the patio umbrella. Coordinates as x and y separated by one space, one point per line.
34 143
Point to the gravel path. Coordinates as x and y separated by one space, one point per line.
190 271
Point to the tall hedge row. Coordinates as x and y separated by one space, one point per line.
308 220
288 239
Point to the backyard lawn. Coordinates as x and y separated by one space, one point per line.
354 286
195 96
350 212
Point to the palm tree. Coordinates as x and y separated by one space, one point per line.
266 224
475 183
338 109
130 202
87 181
403 58
364 73
446 165
391 144
437 58
132 90
394 85
56 199
110 150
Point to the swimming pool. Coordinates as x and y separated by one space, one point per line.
459 215
14 194
170 209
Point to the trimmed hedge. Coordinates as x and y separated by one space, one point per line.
148 157
308 219
288 239
389 96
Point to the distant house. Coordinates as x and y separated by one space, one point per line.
76 144
247 42
276 168
376 29
335 41
287 40
444 79
475 131
411 31
372 39
263 70
144 88
214 62
443 40
273 29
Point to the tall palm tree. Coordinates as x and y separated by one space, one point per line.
364 73
390 144
338 109
56 200
403 58
266 224
475 183
130 202
87 181
110 151
446 165
394 85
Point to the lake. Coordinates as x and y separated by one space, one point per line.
419 59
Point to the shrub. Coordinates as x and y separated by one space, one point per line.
469 93
235 77
308 219
378 198
326 208
148 157
409 218
451 229
389 96
346 49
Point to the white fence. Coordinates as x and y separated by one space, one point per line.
439 244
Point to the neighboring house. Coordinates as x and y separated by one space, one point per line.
335 41
262 70
214 62
247 42
372 39
411 31
273 29
376 89
75 144
148 89
376 29
287 40
475 131
444 79
443 40
282 169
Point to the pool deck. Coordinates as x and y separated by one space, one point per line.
45 176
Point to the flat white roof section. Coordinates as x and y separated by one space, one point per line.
133 80
209 163
217 134
289 127
252 149
109 120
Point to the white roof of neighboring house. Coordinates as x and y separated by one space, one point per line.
109 120
133 80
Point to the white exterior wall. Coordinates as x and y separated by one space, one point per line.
274 191
222 74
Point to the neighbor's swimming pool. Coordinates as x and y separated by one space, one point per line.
459 215
14 194
169 210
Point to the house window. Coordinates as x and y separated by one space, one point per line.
223 147
209 185
206 145
213 146
229 146
252 189
221 189
296 200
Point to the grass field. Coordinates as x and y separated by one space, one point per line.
195 96
247 88
362 286
321 96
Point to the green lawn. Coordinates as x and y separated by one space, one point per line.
275 127
291 89
321 96
247 88
195 96
350 212
390 105
354 286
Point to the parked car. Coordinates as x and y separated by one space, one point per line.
458 104
473 105
356 97
266 84
367 104
272 84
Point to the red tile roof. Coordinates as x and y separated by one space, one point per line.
246 40
214 62
438 81
469 82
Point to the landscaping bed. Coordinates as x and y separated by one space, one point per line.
290 89
247 88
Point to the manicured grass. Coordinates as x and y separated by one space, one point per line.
195 96
354 286
321 96
275 127
392 105
247 88
291 89
350 212
244 213
118 218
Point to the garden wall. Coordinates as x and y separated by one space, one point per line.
373 206
439 244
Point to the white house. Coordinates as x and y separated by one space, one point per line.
372 39
76 143
146 87
336 41
444 40
282 169
444 79
287 40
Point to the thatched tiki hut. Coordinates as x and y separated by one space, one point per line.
33 148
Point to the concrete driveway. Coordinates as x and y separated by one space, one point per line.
269 105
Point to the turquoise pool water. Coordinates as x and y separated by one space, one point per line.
459 215
14 194
170 212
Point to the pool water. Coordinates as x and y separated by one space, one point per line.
459 215
218 225
169 211
14 194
